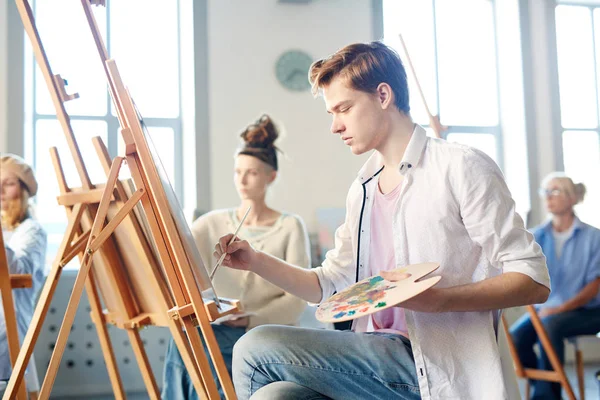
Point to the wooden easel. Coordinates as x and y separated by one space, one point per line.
134 257
558 372
7 283
434 120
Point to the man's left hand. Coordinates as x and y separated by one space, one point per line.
432 300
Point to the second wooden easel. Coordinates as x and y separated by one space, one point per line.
134 252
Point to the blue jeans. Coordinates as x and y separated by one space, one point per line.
559 327
177 384
282 362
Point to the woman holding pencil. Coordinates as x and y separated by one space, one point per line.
278 233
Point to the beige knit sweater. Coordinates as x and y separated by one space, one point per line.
286 239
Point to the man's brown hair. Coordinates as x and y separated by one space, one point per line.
364 66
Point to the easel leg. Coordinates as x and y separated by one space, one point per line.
103 337
42 306
201 357
65 329
11 329
217 358
183 346
144 364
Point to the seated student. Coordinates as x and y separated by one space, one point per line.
278 233
417 199
25 247
572 250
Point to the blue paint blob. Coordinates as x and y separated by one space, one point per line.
339 315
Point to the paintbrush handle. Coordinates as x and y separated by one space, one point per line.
230 241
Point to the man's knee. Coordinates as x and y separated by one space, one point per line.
256 341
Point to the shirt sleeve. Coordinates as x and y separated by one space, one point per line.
594 267
27 254
488 213
339 267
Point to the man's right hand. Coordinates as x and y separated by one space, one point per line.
240 254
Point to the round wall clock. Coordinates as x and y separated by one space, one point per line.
291 70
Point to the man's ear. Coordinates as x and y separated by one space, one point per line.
385 95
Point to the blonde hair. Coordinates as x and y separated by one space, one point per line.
575 191
364 66
17 210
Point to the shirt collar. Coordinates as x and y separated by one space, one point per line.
577 225
411 158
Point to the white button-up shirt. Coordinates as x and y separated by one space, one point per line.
454 209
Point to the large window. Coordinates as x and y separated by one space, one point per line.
452 45
578 72
143 36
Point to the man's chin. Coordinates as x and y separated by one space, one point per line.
357 150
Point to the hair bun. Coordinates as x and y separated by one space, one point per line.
260 134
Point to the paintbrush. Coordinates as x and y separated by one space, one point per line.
231 241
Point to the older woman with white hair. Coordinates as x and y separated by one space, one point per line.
25 247
572 250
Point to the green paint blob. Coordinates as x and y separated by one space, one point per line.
381 304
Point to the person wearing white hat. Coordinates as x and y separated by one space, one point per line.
25 247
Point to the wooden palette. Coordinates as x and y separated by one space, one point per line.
375 294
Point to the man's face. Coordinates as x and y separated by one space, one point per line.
358 117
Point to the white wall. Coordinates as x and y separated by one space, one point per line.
243 47
3 72
11 78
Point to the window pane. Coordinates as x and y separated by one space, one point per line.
467 63
485 142
413 19
581 152
576 76
48 134
144 42
597 51
73 56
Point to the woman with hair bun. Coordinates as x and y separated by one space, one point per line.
572 250
280 234
25 247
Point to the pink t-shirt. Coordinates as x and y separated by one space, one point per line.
382 258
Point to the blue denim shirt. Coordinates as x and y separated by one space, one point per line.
578 265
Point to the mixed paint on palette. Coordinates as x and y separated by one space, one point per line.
360 298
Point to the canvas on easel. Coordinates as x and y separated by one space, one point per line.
137 260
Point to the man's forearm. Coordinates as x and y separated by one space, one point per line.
510 289
300 282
